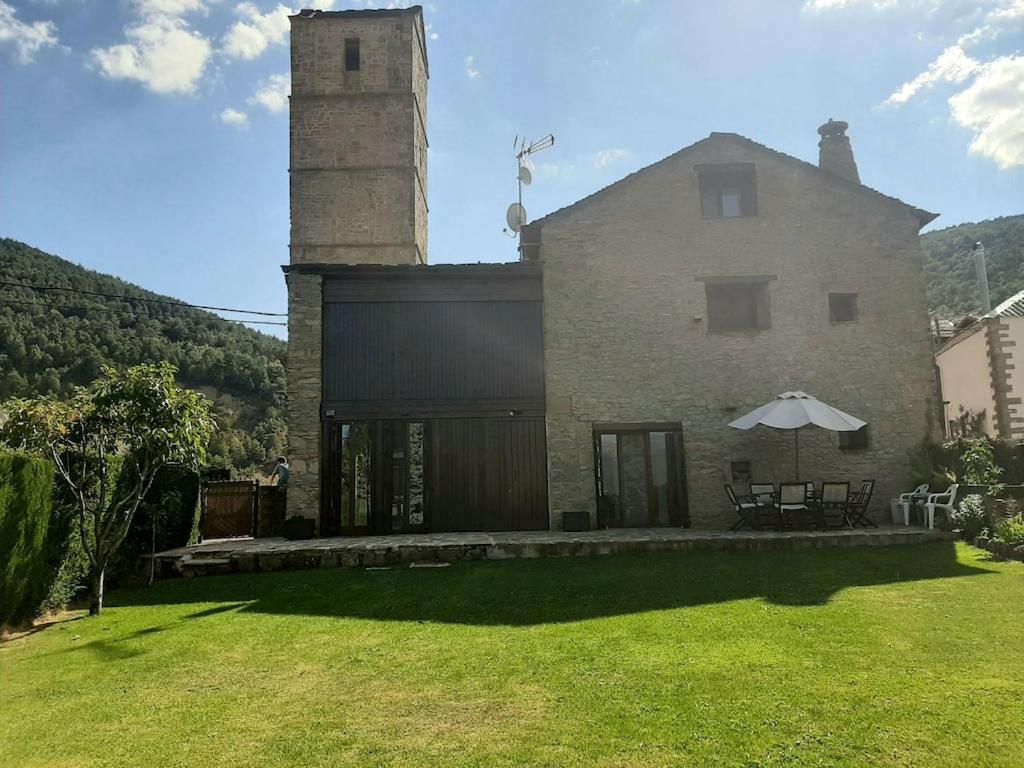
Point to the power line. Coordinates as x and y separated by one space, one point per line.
136 298
131 311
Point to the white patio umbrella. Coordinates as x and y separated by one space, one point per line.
794 410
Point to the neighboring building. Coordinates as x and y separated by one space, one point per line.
979 375
609 361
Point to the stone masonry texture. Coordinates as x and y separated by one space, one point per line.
358 180
627 340
305 302
358 140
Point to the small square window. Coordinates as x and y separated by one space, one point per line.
352 54
855 441
842 307
727 190
737 306
740 471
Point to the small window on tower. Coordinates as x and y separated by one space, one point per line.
842 307
352 54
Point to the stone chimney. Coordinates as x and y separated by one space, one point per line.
834 152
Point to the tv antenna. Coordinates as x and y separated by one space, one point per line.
515 216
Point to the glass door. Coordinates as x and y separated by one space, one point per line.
373 477
641 480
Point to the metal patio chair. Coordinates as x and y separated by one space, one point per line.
835 505
857 507
794 505
745 508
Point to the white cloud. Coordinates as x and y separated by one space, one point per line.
272 93
993 107
234 117
249 38
555 171
429 29
953 65
607 157
161 51
989 93
27 39
471 71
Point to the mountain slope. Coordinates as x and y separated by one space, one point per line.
949 265
51 341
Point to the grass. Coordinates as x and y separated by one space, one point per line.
902 656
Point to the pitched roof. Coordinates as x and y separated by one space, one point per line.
922 215
1012 307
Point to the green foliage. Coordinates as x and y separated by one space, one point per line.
1009 529
108 442
979 466
971 516
50 343
949 265
32 537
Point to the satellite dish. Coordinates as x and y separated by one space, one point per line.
516 217
524 175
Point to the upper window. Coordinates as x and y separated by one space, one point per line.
737 306
727 190
352 54
842 307
855 441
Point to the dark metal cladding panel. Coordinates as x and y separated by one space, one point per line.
455 352
489 475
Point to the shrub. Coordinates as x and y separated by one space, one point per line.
970 516
33 536
1009 529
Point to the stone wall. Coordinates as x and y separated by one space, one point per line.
358 139
305 311
626 336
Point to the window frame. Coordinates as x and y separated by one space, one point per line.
713 180
353 54
847 441
841 297
762 301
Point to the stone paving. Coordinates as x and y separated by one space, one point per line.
274 554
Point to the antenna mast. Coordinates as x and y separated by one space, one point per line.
516 214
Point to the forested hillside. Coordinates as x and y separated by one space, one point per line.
949 265
51 341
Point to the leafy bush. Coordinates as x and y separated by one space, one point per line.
971 516
1009 529
33 536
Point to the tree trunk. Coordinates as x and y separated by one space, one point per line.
96 589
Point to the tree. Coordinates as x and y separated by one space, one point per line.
107 443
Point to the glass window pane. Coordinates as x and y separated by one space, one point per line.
355 474
609 501
660 474
634 480
732 202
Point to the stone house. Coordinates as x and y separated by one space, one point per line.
599 372
979 375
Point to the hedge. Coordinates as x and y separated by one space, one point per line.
33 536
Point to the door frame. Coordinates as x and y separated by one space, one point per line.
675 459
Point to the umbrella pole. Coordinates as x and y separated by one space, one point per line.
796 445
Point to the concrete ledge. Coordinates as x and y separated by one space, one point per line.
249 555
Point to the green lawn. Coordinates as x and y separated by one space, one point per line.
909 656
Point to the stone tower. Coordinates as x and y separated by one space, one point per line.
358 187
358 137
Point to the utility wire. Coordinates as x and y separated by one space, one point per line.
136 298
129 310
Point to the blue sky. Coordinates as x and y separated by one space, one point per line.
149 138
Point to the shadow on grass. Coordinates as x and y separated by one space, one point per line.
528 592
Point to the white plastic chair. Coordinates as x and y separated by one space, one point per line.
906 499
943 501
